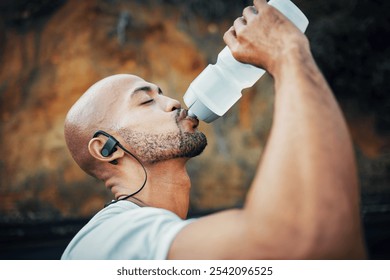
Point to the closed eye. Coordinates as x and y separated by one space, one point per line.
147 102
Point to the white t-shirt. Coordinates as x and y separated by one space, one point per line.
124 230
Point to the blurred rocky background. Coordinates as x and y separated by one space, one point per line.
51 51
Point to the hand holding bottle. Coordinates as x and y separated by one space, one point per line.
263 35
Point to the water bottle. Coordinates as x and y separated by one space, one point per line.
219 86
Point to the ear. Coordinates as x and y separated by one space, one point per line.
95 147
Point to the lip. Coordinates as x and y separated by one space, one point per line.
183 115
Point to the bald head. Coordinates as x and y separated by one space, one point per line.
95 110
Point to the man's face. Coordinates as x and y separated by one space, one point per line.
153 125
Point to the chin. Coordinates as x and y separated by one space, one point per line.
192 144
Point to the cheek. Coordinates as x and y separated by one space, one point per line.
153 123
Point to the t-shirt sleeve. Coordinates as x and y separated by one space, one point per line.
144 233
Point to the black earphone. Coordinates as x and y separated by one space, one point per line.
108 149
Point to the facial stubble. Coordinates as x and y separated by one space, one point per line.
153 148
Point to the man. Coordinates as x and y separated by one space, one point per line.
304 199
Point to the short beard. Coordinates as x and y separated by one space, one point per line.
153 148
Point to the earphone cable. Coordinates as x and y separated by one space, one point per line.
143 184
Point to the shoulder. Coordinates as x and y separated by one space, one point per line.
126 231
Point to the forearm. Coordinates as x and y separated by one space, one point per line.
309 137
306 185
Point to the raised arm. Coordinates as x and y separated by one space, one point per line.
304 200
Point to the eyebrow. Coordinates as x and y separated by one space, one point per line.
145 89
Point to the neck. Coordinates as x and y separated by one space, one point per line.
168 186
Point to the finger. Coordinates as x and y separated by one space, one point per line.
259 4
249 13
230 37
239 24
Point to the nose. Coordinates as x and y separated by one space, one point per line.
172 105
